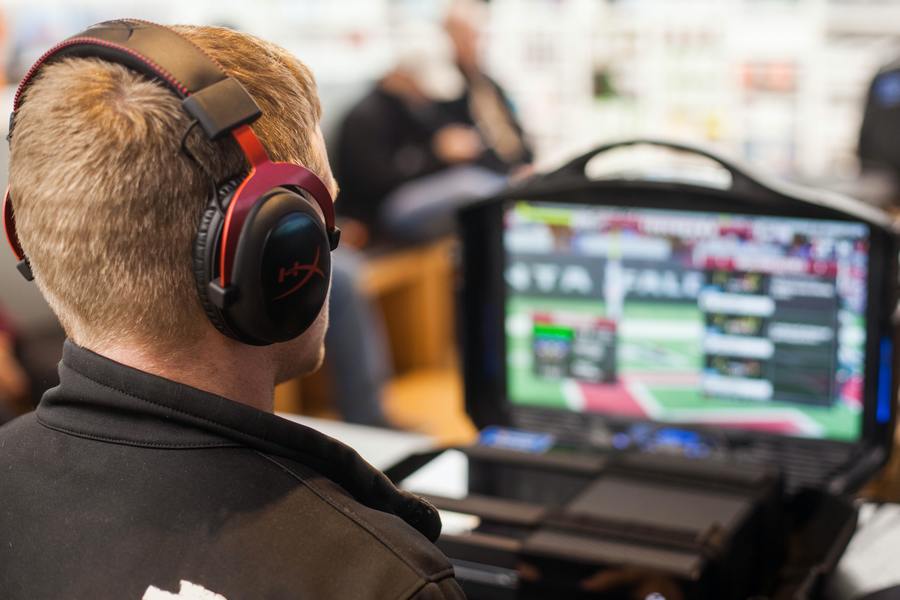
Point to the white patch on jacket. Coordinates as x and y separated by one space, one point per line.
188 591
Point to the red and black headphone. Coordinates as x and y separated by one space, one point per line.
262 253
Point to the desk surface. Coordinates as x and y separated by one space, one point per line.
380 447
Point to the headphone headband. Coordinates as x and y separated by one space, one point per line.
219 102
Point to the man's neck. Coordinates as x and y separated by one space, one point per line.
240 373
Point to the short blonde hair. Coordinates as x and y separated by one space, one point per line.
107 204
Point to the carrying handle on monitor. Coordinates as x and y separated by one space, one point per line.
741 180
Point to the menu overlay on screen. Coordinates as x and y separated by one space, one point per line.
726 320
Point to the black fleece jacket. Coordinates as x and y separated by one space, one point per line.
121 482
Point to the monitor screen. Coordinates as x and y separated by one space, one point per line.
725 320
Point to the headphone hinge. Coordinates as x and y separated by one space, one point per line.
222 297
24 267
12 120
334 238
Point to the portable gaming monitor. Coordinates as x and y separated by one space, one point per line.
757 310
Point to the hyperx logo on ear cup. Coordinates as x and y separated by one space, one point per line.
296 270
294 267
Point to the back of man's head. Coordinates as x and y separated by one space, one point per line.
107 203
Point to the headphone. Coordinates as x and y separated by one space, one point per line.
262 252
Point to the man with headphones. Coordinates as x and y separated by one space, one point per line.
170 195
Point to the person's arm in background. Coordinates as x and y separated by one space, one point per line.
528 151
486 106
456 144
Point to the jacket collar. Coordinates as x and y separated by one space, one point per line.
101 399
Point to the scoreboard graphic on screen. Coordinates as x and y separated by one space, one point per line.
568 346
725 320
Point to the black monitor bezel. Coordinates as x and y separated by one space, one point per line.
483 291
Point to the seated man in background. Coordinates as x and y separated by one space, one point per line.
483 103
156 464
434 134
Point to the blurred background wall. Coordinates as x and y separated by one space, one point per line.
780 83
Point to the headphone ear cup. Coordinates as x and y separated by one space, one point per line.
282 269
205 253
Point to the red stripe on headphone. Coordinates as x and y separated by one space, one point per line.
251 145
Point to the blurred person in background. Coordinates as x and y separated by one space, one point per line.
357 355
483 104
433 134
385 141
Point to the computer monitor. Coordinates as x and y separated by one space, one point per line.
719 319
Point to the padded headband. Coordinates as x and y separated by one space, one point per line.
218 102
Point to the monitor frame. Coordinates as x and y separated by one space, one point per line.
483 293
